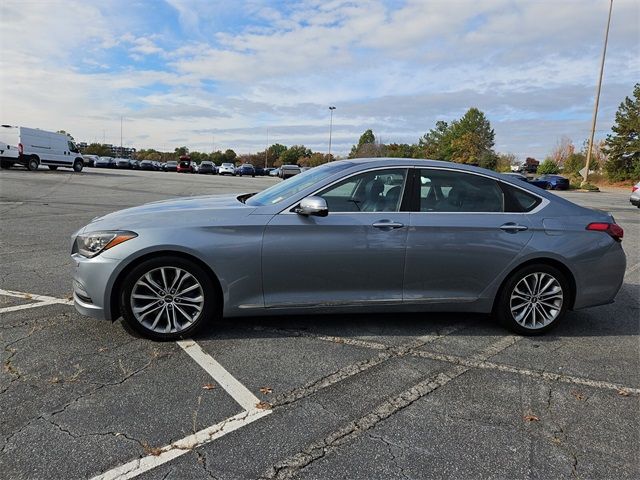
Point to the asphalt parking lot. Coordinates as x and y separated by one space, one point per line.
361 397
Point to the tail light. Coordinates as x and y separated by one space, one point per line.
612 229
634 188
20 148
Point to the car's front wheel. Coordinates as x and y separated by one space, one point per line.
168 298
533 300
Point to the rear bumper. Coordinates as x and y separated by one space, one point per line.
598 281
635 201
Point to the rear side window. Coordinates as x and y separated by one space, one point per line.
452 191
519 201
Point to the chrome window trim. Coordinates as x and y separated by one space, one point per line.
544 201
287 211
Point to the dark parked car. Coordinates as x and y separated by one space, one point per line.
122 163
365 235
104 162
287 171
147 165
556 182
135 164
246 169
207 167
538 183
171 166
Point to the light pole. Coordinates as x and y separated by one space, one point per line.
595 108
266 152
331 109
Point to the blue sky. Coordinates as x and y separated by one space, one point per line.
199 72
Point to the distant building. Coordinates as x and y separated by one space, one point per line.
125 152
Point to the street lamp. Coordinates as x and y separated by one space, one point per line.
331 109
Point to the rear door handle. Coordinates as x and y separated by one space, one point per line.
387 225
513 227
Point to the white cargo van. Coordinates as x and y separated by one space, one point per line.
37 147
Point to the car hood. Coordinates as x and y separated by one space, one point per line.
179 212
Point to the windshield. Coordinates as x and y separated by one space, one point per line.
290 187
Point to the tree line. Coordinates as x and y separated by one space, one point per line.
469 139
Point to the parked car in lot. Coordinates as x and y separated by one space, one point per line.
147 165
635 195
135 164
227 169
37 147
90 160
538 183
104 162
186 165
122 162
274 172
246 169
171 166
556 182
364 235
207 167
287 171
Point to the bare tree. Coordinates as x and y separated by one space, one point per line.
563 150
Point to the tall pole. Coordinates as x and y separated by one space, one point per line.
121 136
266 152
595 108
331 109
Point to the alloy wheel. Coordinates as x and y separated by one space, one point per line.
536 300
167 300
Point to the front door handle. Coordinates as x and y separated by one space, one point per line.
513 227
387 225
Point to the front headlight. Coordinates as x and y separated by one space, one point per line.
91 244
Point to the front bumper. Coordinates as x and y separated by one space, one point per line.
93 280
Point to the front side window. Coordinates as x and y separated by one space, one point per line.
453 191
373 191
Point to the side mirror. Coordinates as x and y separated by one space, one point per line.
316 206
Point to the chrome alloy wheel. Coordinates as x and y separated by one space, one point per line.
167 300
536 300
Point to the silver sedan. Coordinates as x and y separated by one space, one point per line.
364 235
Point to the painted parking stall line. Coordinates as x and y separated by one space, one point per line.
39 301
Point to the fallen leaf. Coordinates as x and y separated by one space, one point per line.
578 395
149 450
531 418
263 405
623 392
266 390
209 386
102 349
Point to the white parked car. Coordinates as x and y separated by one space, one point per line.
38 147
227 169
635 195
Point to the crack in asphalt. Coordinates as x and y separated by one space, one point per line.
343 373
290 467
202 460
390 446
560 439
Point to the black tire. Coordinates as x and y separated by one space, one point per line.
5 165
33 163
211 309
503 306
78 165
53 167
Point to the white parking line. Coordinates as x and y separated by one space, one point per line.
40 301
238 392
632 269
182 446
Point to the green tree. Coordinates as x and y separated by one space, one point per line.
504 162
436 143
623 146
314 160
574 163
472 139
229 156
98 149
179 151
367 139
548 167
293 154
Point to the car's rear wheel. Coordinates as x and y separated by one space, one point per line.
33 163
168 298
533 300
